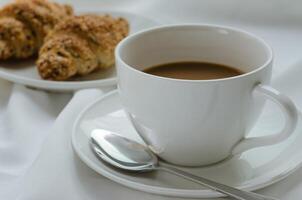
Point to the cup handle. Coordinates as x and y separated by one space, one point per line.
291 117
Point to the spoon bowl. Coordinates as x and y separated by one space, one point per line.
122 152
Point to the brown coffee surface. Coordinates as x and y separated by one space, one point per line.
193 70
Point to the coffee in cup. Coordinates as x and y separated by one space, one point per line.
193 70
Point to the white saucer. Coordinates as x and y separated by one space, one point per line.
25 72
252 170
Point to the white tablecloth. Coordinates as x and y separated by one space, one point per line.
36 157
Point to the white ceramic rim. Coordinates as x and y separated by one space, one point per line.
254 184
127 40
56 85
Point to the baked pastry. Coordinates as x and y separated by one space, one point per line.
24 25
80 45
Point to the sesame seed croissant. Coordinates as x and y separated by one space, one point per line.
25 23
80 45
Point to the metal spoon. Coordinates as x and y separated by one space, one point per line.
129 155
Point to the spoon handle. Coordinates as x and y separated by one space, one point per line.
229 191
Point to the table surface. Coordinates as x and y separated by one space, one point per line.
36 157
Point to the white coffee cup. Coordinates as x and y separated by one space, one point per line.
198 122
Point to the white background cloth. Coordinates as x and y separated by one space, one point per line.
36 157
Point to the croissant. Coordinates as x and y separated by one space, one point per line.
80 45
24 25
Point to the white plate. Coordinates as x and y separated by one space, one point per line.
252 170
25 72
